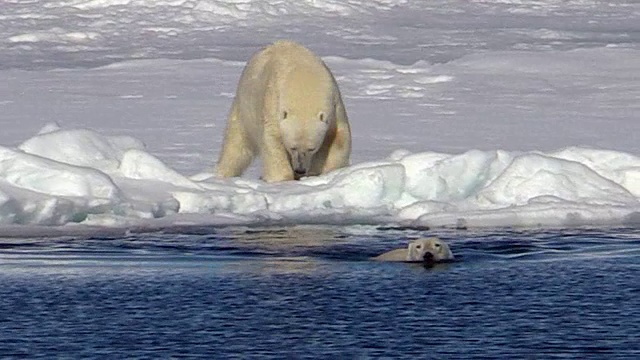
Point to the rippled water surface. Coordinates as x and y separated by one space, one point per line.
309 292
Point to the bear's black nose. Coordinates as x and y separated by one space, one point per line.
300 171
428 257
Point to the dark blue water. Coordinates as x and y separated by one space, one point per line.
309 292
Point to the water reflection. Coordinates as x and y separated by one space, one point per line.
304 249
311 292
309 236
278 266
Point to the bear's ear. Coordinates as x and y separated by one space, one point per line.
322 117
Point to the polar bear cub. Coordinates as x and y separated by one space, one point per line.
429 250
288 110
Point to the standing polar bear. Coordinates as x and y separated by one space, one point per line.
288 110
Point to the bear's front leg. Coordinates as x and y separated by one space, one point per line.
237 151
276 164
339 151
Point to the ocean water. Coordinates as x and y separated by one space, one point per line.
310 292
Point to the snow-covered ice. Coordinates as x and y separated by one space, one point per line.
102 180
464 113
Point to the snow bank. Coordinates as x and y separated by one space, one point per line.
80 176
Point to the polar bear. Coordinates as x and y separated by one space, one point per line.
288 110
427 250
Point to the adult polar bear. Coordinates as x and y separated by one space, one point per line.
288 110
425 250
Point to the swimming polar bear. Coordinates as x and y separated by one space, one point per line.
427 250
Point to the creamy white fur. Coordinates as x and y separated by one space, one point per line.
416 251
288 110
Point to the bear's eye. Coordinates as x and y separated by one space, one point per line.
419 246
437 245
321 116
311 149
284 115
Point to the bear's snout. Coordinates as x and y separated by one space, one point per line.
428 257
298 173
